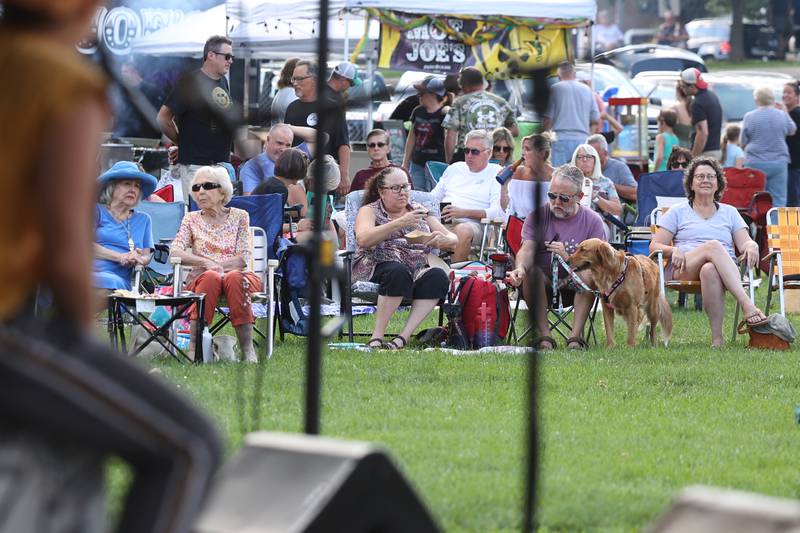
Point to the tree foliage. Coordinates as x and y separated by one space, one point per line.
751 9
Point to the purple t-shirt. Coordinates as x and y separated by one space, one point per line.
585 224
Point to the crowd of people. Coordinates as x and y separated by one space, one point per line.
470 132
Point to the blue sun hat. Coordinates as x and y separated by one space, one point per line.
128 170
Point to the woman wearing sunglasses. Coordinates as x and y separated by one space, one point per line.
604 195
399 267
679 159
215 242
502 147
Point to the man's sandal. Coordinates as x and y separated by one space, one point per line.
581 344
545 343
375 344
392 345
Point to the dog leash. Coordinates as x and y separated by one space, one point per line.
575 278
617 282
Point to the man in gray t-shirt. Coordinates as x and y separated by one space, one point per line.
614 169
572 114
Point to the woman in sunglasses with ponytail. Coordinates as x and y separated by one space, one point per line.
215 242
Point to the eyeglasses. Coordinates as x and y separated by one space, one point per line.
397 188
564 198
682 164
208 186
585 157
472 151
297 79
228 57
376 145
705 177
504 149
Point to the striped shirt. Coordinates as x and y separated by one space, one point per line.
764 132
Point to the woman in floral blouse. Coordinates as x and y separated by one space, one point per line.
215 242
397 266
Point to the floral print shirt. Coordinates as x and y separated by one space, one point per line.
218 242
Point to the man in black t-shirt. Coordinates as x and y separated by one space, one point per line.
791 102
303 112
706 114
185 119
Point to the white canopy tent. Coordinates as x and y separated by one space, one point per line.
187 37
259 10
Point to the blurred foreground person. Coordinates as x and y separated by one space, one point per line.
66 402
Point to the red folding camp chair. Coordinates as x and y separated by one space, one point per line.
745 191
166 193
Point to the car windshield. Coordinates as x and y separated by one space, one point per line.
737 99
700 31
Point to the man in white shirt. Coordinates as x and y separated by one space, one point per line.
472 192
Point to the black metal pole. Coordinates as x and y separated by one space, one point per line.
541 96
315 259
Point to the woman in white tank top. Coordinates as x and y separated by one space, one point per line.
518 195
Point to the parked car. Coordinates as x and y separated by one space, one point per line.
710 39
734 88
643 57
640 35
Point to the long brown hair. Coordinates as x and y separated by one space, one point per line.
376 182
285 78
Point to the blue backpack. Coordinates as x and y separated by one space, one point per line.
294 286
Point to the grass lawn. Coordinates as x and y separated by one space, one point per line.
623 429
751 64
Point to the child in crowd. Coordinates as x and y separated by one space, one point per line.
666 138
732 153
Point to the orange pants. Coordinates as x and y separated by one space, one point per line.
237 286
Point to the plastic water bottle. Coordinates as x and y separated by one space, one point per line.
483 334
207 355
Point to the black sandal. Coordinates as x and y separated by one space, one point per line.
377 346
581 344
391 345
545 339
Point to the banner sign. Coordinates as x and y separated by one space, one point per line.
446 45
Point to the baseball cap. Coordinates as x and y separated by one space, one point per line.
347 71
692 76
431 85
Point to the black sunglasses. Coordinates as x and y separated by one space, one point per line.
563 197
208 185
228 57
472 151
378 145
682 164
504 149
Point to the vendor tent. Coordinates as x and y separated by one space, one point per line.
187 37
574 10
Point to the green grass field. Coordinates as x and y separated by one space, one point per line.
623 429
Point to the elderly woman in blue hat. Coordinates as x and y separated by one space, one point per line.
123 237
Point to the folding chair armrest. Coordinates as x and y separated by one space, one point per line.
657 255
772 254
346 254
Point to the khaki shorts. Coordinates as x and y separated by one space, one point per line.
185 173
475 226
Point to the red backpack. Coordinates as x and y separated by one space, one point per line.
485 311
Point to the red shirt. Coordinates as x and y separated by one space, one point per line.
363 175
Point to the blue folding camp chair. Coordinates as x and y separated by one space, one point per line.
667 183
166 220
434 170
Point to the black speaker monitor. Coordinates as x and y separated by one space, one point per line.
292 483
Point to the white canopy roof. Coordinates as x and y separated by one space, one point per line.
187 37
260 10
281 38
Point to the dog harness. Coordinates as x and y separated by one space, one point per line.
617 282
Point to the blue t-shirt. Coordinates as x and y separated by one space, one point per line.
113 235
255 171
690 230
732 153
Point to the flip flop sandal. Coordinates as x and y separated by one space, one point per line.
752 319
545 339
392 345
581 344
375 344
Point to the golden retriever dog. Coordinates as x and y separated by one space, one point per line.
628 286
